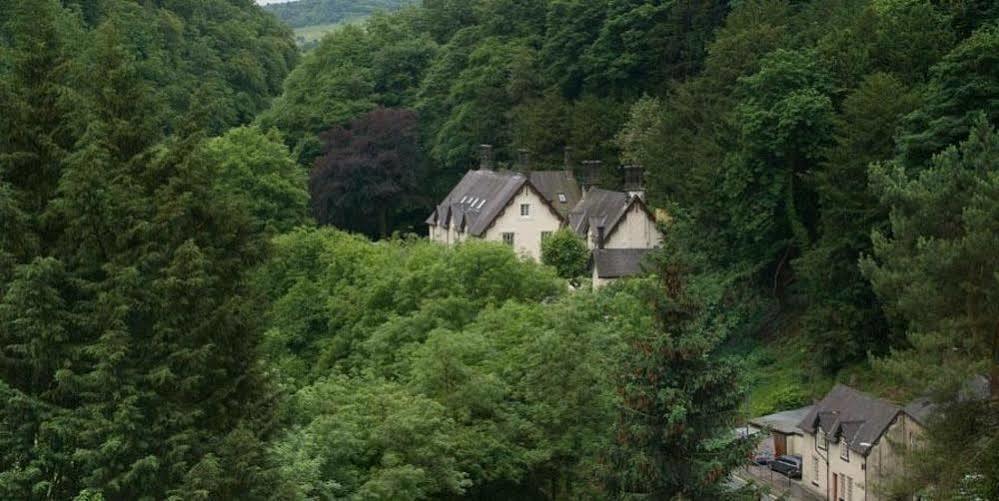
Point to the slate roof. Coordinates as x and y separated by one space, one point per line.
852 416
597 207
551 183
479 198
785 422
617 263
975 389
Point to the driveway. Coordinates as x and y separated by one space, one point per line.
780 486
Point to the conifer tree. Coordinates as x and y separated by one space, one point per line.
936 274
678 400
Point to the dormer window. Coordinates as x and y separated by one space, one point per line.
844 451
823 441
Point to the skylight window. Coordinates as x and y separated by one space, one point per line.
481 203
464 199
561 198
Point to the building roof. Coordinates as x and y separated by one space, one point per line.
480 196
617 263
847 414
559 187
977 388
785 422
598 207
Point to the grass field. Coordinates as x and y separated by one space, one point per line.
308 36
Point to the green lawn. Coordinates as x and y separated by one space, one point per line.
308 36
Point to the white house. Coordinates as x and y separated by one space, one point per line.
853 444
522 208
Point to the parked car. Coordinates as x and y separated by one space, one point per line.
763 459
788 465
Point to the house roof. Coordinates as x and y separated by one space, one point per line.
606 208
598 207
785 422
977 388
852 416
617 263
552 183
480 196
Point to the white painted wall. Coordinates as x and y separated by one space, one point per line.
526 230
870 475
635 231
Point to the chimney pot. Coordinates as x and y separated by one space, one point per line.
591 172
485 156
523 160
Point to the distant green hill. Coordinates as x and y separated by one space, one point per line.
301 13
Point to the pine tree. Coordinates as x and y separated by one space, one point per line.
679 397
936 274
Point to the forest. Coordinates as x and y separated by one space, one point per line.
215 281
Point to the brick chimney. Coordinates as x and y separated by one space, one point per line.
591 173
523 160
485 156
634 181
567 161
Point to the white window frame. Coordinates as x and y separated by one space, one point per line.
509 238
844 452
525 210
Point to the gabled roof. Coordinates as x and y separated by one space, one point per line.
480 196
552 183
605 208
851 416
598 206
617 263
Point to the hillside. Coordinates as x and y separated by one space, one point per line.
231 269
304 13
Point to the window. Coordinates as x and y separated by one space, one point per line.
508 239
525 210
815 470
561 198
545 235
481 203
844 451
823 441
842 488
849 488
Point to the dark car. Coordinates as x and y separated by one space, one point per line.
763 459
788 465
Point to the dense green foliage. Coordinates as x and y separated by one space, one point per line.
936 273
301 13
172 327
673 437
128 363
418 371
567 253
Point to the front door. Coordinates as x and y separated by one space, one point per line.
780 445
835 486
